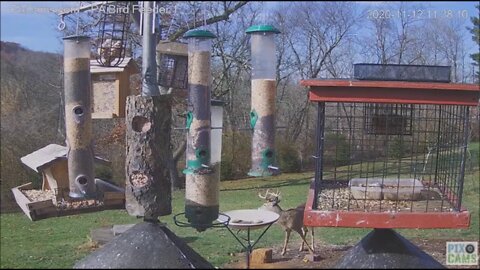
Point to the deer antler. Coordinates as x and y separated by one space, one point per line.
265 196
275 194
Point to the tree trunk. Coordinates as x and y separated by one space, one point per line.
148 186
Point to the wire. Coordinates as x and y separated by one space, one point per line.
204 15
78 19
61 25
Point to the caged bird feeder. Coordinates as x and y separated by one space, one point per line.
112 36
390 154
172 61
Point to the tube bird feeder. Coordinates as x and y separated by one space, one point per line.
202 187
262 114
78 117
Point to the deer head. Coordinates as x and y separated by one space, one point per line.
271 198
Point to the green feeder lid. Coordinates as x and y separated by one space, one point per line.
262 28
199 34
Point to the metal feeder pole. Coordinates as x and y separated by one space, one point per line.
202 185
149 65
264 88
78 117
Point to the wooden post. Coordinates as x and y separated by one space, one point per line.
148 193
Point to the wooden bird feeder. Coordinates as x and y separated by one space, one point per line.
110 88
51 199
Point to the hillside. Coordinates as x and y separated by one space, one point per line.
31 111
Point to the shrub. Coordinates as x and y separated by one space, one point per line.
397 148
103 172
336 149
226 170
236 155
287 157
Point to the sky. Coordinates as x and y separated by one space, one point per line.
31 25
34 27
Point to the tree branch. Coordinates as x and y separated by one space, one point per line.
226 14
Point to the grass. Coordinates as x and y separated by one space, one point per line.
60 242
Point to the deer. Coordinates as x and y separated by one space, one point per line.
290 219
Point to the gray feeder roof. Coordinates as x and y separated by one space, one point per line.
127 62
47 155
386 249
145 245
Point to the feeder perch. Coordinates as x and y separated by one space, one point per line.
172 61
110 88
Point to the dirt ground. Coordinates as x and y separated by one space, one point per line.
330 254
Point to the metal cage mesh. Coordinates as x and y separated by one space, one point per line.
173 71
409 158
388 119
112 36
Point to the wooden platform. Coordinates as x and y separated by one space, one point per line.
46 208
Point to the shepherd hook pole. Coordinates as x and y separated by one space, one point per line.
149 64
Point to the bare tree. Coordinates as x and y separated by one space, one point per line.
313 31
452 42
393 31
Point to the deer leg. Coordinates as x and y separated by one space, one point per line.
313 239
305 241
304 232
287 235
